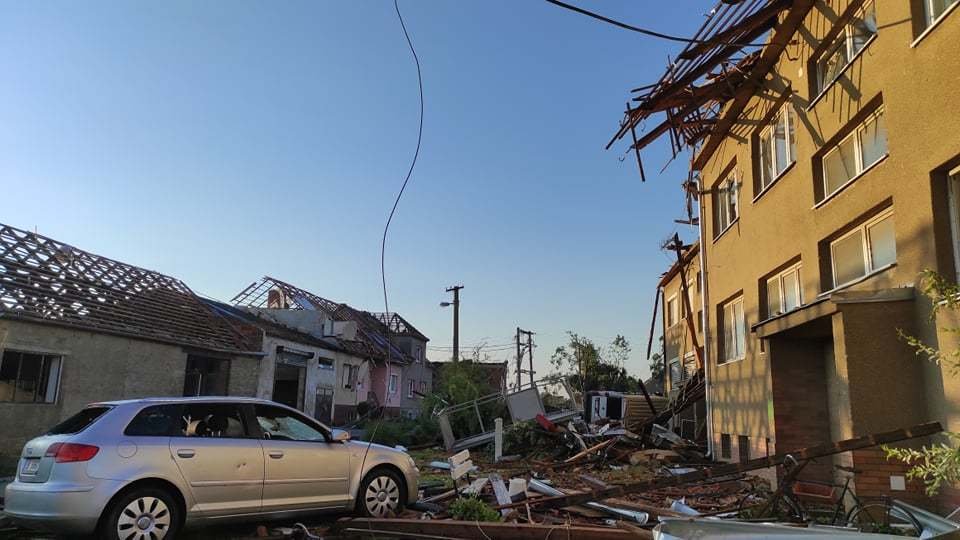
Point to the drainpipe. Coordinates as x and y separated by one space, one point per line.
704 301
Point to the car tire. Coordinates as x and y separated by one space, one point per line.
146 513
381 494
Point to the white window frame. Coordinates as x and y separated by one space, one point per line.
738 354
48 360
727 196
928 16
847 37
410 388
674 364
864 230
796 268
394 383
861 167
953 195
783 117
672 311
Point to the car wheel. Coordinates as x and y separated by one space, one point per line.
380 494
142 514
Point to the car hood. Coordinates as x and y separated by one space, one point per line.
362 445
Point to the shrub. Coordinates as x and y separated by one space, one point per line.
472 509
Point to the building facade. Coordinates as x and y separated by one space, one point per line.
830 196
77 328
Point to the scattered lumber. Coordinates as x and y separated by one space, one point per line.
472 530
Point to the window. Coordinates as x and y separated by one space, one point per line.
418 354
864 250
206 376
210 420
743 447
284 425
410 385
672 313
676 373
156 421
324 363
683 305
349 377
423 388
934 9
852 39
855 154
784 292
394 381
29 378
953 195
726 204
734 331
778 146
79 421
725 446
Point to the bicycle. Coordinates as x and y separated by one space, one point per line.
804 501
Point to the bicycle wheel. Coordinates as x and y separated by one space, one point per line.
754 508
881 517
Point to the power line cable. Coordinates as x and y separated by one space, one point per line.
651 33
386 229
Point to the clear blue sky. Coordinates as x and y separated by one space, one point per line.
221 141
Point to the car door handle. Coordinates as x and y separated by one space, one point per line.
276 454
186 453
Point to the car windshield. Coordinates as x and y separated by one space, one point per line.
79 421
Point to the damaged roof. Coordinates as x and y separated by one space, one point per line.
704 91
372 341
47 281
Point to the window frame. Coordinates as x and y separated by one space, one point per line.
868 263
795 268
43 376
671 310
953 200
722 200
722 358
929 19
410 388
784 117
861 166
846 39
726 446
393 383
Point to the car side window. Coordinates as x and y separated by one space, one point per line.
156 421
284 425
212 420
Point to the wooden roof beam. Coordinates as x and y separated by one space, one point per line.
764 17
768 59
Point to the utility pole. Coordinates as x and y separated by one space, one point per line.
529 350
455 289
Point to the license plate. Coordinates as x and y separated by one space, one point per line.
31 466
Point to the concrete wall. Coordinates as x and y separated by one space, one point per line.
99 367
785 222
418 372
316 377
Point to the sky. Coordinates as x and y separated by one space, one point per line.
218 142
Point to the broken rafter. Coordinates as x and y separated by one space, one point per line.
762 19
768 59
824 450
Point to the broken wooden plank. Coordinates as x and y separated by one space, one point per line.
476 486
472 530
580 455
728 469
501 492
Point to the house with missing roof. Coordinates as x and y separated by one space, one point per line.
76 327
381 362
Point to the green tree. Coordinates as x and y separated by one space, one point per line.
590 367
936 464
656 367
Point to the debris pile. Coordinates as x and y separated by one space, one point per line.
592 481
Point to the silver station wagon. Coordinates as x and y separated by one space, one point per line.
141 469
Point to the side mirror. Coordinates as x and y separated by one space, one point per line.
340 435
